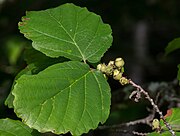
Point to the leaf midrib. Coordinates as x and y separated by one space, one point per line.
61 26
53 96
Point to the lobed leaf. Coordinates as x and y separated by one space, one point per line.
69 31
9 127
64 97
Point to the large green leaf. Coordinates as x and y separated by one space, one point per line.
9 127
37 62
64 97
69 31
173 45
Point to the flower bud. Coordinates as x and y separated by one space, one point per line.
119 62
99 66
124 81
109 70
117 74
103 68
111 63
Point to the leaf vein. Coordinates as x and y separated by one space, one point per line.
74 42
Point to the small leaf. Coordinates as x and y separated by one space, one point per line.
64 97
173 45
9 127
173 120
69 31
172 117
166 133
169 113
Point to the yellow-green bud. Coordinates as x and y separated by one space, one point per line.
101 67
124 81
119 62
109 70
117 74
155 124
111 63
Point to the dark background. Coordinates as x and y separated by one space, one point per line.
141 31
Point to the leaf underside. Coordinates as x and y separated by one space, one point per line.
64 97
69 31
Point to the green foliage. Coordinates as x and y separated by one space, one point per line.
68 31
9 127
10 98
57 92
14 47
173 120
172 46
166 133
51 96
38 61
59 99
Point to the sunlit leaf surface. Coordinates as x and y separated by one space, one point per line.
69 31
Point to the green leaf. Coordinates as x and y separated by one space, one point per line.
69 31
166 133
14 47
178 75
64 97
173 120
173 45
10 98
39 61
9 127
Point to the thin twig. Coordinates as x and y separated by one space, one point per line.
147 120
154 106
139 133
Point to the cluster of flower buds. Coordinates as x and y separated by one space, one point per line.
114 69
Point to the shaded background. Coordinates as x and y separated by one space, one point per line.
141 31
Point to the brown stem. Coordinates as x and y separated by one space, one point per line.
154 106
